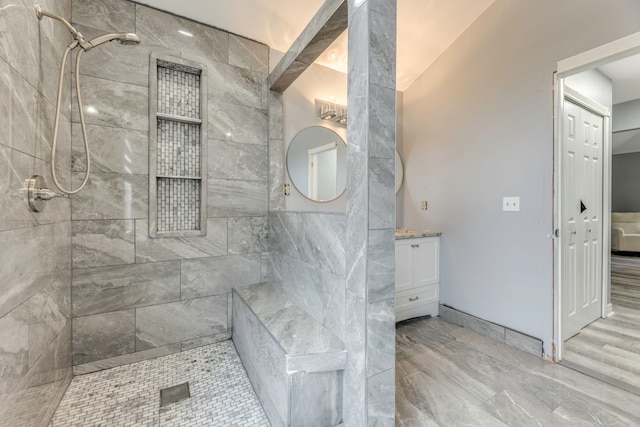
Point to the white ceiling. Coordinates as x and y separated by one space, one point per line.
426 28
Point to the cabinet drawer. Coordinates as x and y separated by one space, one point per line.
417 297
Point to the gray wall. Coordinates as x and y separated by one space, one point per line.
478 126
625 183
35 248
626 115
136 297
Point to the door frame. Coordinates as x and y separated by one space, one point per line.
618 49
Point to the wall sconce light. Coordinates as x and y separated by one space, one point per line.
329 110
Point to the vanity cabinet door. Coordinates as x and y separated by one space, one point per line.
417 262
424 261
403 265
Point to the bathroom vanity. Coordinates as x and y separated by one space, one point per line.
417 273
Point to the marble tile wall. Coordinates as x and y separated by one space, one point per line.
134 297
307 263
35 248
369 377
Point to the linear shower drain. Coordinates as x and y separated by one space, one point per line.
174 394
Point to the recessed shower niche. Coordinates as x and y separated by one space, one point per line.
177 147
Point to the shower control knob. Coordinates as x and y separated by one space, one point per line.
38 193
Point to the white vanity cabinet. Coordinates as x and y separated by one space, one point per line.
417 277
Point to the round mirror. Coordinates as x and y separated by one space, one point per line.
399 172
317 163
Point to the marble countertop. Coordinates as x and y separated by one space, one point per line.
402 233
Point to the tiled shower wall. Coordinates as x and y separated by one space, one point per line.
35 248
134 297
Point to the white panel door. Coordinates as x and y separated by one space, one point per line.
581 222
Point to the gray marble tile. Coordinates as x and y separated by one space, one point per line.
233 122
382 124
408 415
445 408
161 29
14 348
381 399
317 291
116 62
475 324
218 275
234 198
29 268
381 336
248 54
15 166
263 360
322 388
577 411
248 235
511 409
296 234
384 7
381 265
202 341
169 248
18 25
275 115
357 230
293 329
264 267
125 359
48 316
523 342
105 289
382 46
355 376
116 104
239 161
382 196
358 83
102 336
276 175
107 15
234 85
113 150
175 322
20 107
103 242
111 196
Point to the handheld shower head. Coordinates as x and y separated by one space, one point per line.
128 39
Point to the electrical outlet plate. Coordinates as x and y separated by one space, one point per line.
511 204
287 189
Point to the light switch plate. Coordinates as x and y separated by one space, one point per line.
511 204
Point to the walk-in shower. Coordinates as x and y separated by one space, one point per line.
36 192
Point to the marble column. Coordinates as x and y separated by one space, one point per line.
370 307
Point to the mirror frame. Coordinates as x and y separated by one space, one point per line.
286 161
401 174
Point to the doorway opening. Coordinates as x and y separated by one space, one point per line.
588 135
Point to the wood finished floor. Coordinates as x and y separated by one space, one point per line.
609 349
447 375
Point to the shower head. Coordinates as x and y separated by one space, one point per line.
129 39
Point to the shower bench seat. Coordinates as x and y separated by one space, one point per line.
294 363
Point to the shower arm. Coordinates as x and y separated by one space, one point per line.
75 33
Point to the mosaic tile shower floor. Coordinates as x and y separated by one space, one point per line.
221 394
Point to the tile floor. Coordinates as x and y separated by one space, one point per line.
221 394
